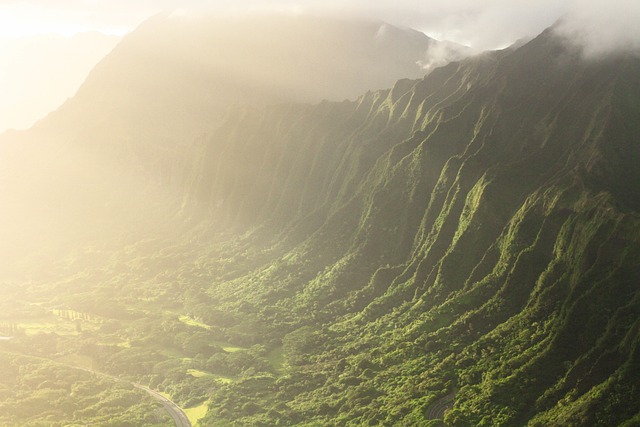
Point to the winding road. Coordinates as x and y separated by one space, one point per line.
174 411
178 415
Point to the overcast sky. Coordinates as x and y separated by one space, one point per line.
600 26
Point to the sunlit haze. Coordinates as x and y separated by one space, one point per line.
44 35
319 213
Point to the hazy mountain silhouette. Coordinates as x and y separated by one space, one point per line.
168 82
180 73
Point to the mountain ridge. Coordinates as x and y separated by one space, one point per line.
514 210
469 236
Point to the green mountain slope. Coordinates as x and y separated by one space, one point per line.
473 235
462 248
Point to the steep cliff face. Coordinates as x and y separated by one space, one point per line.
474 232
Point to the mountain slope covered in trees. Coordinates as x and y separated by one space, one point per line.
463 247
474 232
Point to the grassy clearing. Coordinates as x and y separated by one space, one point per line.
223 379
193 322
276 358
53 325
229 348
196 413
196 373
76 360
36 327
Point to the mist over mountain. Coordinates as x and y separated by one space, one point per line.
183 71
167 83
461 247
28 92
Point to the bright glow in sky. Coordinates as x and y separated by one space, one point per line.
45 54
486 24
23 19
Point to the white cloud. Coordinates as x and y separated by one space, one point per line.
603 27
440 54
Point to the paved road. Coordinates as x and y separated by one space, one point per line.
179 417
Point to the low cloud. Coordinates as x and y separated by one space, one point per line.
602 28
440 54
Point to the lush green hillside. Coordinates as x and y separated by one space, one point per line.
474 233
461 248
